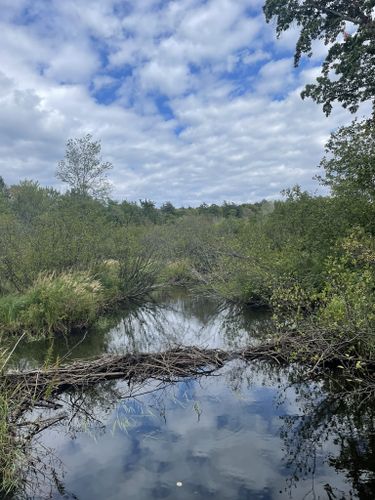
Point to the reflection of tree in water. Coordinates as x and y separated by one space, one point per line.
326 423
146 329
75 345
335 418
180 319
88 410
161 326
239 322
191 305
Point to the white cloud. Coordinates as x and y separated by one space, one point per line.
222 130
169 80
256 56
275 76
71 64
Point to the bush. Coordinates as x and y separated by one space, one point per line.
177 272
107 273
348 297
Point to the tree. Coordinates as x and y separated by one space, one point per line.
348 74
149 210
29 200
4 197
349 163
3 186
83 169
168 209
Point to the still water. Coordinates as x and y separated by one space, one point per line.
246 432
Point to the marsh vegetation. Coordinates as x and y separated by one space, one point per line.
278 304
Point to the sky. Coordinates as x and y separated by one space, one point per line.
193 100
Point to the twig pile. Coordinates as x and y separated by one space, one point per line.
169 365
173 364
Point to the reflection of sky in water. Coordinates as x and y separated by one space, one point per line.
233 436
183 322
177 320
219 437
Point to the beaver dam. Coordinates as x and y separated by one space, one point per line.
189 399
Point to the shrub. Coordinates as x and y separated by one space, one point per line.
348 297
177 272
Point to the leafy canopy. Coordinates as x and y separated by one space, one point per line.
348 71
349 163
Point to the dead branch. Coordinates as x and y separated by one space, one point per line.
314 352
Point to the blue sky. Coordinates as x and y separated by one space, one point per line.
193 100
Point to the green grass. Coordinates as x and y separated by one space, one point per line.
75 299
55 303
10 449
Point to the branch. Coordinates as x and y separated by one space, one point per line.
345 17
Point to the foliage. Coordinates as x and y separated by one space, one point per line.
55 303
178 272
347 71
273 254
29 200
347 301
137 276
82 168
10 452
350 165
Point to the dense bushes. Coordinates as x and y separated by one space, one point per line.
64 259
347 301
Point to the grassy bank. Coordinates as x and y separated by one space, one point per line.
61 302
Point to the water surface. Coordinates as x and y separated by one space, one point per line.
245 432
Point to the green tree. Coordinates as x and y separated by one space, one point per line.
4 196
3 186
348 69
83 169
168 209
349 163
29 200
149 210
231 210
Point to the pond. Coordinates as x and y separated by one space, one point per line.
245 432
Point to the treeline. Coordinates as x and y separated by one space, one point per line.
146 211
28 200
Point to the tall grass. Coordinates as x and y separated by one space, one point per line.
10 452
55 303
74 299
10 447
